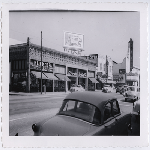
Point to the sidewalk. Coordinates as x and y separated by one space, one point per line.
37 93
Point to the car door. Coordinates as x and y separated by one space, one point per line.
109 120
122 121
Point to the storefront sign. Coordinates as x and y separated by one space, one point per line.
122 71
93 57
82 74
72 73
132 78
38 67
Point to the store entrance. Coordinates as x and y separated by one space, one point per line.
70 83
81 81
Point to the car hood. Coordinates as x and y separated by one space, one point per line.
131 92
61 125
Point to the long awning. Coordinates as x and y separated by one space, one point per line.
50 76
110 81
93 80
62 77
38 75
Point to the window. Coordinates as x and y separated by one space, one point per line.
100 66
17 65
104 67
115 109
107 112
81 110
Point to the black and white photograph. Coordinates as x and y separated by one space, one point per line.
74 72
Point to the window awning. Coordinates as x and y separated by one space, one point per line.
93 80
62 77
103 80
38 75
50 76
133 80
110 81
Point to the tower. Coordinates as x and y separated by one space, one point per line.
130 43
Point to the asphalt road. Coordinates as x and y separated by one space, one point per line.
26 110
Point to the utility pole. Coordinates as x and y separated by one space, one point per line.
41 62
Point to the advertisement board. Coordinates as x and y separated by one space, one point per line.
122 71
93 57
73 40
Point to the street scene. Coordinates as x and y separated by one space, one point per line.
74 73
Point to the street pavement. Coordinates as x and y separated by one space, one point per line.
28 108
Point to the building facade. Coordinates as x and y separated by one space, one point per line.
59 70
125 72
104 68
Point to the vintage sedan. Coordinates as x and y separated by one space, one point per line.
132 93
86 114
107 89
76 88
136 111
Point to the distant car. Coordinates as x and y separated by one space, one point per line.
136 110
123 89
119 88
86 114
132 93
107 89
76 88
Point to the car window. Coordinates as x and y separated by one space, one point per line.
115 108
81 110
107 112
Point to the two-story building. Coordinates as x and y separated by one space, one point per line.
59 70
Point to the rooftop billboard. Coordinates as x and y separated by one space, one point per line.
73 40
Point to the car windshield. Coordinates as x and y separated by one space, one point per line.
81 110
131 88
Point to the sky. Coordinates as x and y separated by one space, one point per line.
105 33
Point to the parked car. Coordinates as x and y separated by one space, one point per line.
119 88
132 93
107 88
123 89
76 88
86 114
136 111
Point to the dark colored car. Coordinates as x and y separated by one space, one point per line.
118 88
86 114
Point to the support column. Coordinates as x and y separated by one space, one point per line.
28 67
66 82
86 81
77 77
53 74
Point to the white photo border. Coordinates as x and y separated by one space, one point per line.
77 141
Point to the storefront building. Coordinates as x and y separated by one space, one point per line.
59 70
104 65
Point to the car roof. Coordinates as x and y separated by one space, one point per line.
95 98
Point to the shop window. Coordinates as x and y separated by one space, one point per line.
19 64
23 64
16 64
100 66
104 67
